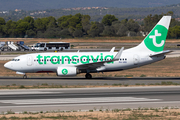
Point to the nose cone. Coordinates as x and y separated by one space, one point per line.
7 65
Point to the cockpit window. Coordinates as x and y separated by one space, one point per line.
15 59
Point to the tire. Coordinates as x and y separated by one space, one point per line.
45 49
88 76
25 76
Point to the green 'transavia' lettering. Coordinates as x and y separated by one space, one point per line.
75 59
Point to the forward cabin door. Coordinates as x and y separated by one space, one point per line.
29 60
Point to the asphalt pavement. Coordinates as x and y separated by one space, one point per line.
82 81
89 98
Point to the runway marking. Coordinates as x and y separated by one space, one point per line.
134 103
77 100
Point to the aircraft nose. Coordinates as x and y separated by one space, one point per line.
7 65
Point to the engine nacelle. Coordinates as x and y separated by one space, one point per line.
67 71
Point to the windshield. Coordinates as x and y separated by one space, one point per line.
37 45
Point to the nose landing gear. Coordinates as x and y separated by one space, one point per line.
88 76
25 76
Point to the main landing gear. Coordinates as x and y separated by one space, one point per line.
88 76
25 76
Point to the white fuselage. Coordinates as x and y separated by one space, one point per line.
49 62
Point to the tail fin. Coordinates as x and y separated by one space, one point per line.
155 40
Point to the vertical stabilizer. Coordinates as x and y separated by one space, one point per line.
155 40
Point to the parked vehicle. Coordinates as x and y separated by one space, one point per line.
12 46
51 46
2 44
22 45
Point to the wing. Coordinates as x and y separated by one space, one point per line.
99 64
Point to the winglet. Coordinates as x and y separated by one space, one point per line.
112 50
118 55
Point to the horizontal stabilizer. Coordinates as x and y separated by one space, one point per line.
162 53
112 50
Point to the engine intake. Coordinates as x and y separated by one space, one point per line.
67 71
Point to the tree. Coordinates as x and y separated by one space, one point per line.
85 20
174 32
30 33
10 29
74 21
22 27
96 29
116 25
2 21
109 31
133 26
108 19
64 33
1 31
50 33
51 22
38 24
29 20
122 30
78 33
62 21
86 23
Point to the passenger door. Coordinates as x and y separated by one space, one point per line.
29 60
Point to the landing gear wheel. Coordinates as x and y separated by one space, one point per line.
88 76
25 76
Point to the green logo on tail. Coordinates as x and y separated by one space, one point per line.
156 39
64 71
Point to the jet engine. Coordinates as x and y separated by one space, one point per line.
67 71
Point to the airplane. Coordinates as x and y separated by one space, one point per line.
150 50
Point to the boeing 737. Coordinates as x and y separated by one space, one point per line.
150 50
